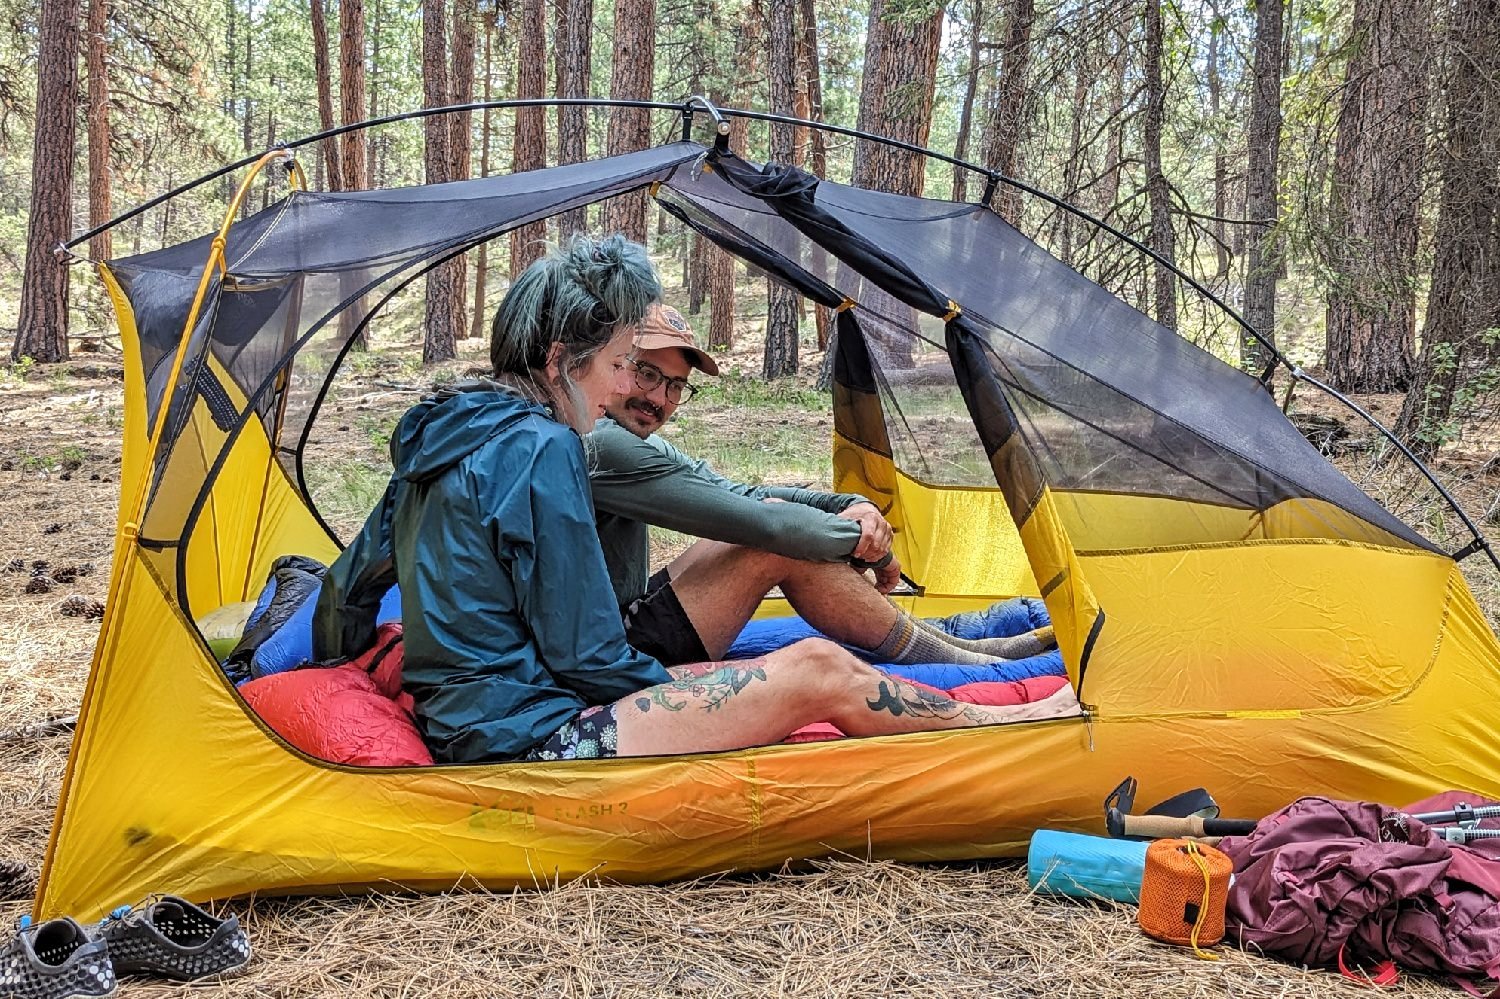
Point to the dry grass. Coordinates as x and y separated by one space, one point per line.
834 928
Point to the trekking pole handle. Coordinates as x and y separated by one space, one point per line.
1171 827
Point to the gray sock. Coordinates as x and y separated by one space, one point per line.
1028 643
908 644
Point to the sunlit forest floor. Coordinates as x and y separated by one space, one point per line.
842 927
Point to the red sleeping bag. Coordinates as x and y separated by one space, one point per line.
354 713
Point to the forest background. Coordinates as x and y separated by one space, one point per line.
1331 170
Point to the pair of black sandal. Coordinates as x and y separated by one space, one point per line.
168 936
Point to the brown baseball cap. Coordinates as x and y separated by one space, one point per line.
663 327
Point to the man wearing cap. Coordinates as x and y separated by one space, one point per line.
815 546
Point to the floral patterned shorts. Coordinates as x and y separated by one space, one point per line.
591 734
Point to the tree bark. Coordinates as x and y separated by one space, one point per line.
1463 307
574 32
374 144
461 140
444 314
817 141
1158 196
896 94
530 148
971 89
1083 79
630 128
352 91
1008 116
323 72
42 332
99 167
783 306
1375 197
482 257
1221 159
1263 136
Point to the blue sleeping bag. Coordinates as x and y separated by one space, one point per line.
291 645
999 620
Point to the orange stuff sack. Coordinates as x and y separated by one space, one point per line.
1172 905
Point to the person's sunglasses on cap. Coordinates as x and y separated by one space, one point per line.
648 376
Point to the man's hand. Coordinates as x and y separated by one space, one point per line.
888 576
874 532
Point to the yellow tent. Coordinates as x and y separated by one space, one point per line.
1233 611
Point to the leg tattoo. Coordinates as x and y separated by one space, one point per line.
715 688
900 699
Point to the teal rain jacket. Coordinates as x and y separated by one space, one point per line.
511 626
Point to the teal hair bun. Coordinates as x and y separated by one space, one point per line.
575 295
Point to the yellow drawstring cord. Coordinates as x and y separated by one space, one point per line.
1202 865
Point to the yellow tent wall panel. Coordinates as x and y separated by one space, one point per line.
954 541
1265 625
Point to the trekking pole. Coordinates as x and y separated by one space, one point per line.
1464 814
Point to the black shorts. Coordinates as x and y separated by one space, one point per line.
657 625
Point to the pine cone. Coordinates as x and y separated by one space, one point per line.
74 606
16 565
39 567
65 575
39 584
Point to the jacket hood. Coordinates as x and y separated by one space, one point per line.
444 429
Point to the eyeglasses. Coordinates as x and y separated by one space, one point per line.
648 376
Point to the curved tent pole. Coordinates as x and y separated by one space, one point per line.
689 108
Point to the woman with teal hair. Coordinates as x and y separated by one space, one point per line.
514 645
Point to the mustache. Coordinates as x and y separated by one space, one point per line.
648 406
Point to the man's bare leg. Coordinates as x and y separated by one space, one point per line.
720 585
757 702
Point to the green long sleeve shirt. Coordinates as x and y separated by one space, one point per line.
639 482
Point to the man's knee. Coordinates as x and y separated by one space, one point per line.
822 660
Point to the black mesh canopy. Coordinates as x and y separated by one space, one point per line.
995 364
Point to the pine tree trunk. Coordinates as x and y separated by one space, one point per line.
1463 307
896 94
574 32
783 306
444 317
374 143
530 149
99 169
1264 145
1083 78
1374 199
696 278
323 72
1221 160
818 145
352 91
630 128
1163 240
1008 117
42 332
482 257
461 140
971 91
809 25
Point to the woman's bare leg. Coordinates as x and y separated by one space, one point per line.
756 702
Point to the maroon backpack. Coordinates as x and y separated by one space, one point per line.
1318 884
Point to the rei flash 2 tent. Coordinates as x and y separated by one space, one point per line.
1232 610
